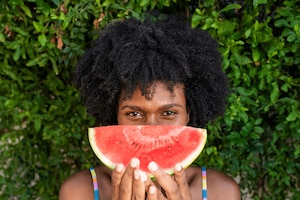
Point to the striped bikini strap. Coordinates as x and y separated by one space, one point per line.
204 184
95 183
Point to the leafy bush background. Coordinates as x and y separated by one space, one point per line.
43 124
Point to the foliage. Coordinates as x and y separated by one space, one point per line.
258 138
43 124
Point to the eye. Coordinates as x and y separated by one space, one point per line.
134 114
168 113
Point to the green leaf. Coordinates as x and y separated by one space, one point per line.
37 124
38 26
255 55
281 23
44 7
56 2
196 19
291 37
297 152
11 103
285 87
248 33
258 121
42 39
230 7
254 136
32 62
211 150
26 10
244 116
274 92
224 27
236 71
22 31
292 115
228 121
2 38
242 60
54 65
258 129
10 73
144 3
287 32
258 2
17 53
118 7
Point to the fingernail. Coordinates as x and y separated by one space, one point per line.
151 189
152 166
144 176
178 167
119 167
136 174
134 162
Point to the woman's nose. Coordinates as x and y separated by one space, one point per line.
151 120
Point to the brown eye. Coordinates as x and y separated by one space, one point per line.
168 113
134 114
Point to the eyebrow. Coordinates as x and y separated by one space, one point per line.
161 107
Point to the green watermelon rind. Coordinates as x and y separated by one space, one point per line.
193 156
185 163
99 154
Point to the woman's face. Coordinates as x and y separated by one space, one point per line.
165 108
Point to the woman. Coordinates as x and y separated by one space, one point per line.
151 73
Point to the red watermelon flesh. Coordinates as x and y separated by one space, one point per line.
166 145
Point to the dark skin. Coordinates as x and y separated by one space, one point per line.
124 183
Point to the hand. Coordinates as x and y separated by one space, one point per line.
131 183
128 183
176 188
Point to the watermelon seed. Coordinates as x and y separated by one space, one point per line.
135 144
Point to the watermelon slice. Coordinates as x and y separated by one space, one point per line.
166 145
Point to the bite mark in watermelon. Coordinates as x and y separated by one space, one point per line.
166 145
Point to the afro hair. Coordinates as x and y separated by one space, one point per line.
132 52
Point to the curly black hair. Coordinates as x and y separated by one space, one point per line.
132 52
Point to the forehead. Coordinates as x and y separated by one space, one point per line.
156 91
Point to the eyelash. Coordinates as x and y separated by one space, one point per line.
134 113
164 113
168 113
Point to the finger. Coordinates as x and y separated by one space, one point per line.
180 178
138 185
125 191
116 178
166 181
149 184
151 193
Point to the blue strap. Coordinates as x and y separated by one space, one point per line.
95 183
204 184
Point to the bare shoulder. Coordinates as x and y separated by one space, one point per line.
76 187
219 185
222 186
